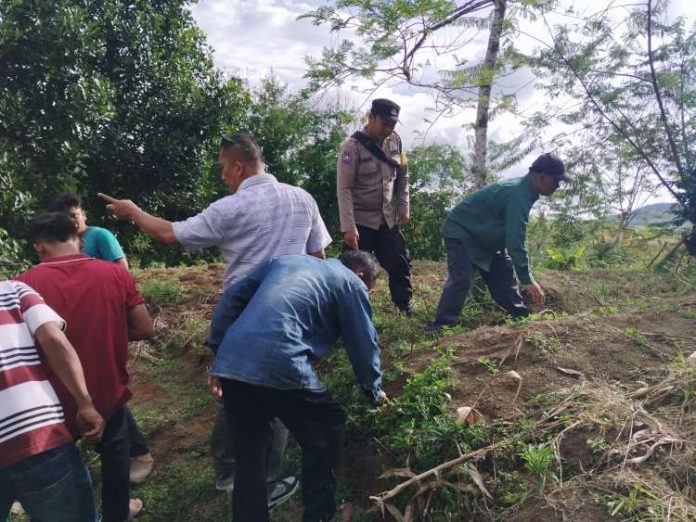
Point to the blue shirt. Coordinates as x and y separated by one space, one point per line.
268 327
102 244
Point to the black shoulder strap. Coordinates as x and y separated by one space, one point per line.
374 149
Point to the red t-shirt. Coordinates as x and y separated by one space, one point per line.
93 297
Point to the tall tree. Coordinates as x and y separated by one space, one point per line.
109 96
488 72
633 81
420 43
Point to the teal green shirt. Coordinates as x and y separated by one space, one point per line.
492 219
102 244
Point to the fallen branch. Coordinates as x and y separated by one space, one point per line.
482 452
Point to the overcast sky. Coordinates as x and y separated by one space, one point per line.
253 39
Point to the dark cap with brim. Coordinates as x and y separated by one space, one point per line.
386 109
549 163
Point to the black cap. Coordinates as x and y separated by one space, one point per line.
386 109
549 163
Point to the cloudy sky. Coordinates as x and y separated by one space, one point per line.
255 38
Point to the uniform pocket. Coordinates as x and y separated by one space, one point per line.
368 165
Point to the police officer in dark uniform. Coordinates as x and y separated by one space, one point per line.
373 200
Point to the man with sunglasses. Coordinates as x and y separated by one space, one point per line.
487 231
262 219
373 200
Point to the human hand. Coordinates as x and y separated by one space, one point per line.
351 238
382 398
90 423
214 386
403 218
536 293
119 208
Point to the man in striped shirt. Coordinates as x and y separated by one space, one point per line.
262 219
39 463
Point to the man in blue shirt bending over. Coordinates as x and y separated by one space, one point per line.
266 331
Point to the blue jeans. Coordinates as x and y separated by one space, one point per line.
500 280
53 486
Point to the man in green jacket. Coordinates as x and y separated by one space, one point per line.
487 231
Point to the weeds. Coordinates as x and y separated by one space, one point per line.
162 292
538 460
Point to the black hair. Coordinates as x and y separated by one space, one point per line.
64 201
54 227
364 261
245 145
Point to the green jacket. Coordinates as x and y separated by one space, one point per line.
492 219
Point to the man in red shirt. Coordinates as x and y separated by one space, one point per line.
103 311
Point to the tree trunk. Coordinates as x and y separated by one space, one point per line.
479 169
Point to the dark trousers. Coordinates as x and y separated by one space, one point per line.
115 466
222 446
314 419
138 446
389 247
53 486
500 279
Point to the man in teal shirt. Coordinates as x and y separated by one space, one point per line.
487 231
98 242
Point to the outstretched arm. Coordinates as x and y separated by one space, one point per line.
158 229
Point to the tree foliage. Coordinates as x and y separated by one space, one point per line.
424 43
439 175
631 81
109 96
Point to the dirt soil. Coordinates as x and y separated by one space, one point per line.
626 350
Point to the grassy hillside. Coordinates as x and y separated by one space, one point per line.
582 413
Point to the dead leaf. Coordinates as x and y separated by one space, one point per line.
467 415
572 373
518 378
394 511
691 359
477 478
398 472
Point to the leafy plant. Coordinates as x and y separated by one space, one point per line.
538 460
565 259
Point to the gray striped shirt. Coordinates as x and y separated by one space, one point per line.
263 220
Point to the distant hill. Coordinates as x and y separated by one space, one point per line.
650 214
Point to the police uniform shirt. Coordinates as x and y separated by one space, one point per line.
369 191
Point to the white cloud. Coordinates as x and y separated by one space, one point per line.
253 39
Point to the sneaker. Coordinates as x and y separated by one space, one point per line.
281 490
140 468
225 483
